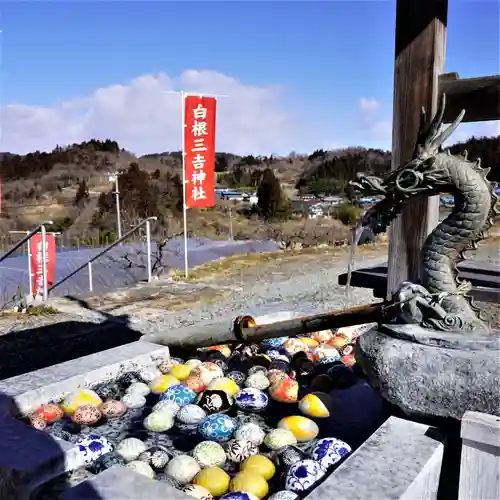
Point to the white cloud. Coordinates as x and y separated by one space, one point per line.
368 104
143 117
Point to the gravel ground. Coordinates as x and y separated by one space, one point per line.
306 286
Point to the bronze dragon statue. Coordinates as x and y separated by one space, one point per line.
439 301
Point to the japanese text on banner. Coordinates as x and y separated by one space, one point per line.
199 151
37 261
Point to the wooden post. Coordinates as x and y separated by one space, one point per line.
420 56
480 461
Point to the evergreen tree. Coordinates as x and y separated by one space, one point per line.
82 194
269 194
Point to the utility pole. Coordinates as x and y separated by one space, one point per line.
114 178
230 224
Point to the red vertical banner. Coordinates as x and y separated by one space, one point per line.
36 261
199 150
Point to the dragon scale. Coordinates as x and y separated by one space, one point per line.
459 231
439 300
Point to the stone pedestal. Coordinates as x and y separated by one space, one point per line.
432 373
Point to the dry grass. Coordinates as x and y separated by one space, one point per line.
231 266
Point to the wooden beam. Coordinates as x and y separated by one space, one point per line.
419 60
480 97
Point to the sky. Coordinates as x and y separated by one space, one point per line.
293 75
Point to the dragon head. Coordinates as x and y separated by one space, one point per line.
421 176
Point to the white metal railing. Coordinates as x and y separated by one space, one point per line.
88 264
40 228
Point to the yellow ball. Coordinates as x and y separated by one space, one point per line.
162 383
309 341
79 398
259 464
316 404
180 372
250 482
228 385
214 479
303 428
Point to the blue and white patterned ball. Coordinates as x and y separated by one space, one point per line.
239 495
328 451
179 394
217 427
93 446
278 354
275 342
251 399
284 495
302 475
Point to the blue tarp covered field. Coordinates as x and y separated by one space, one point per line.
123 265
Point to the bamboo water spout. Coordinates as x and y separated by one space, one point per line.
244 329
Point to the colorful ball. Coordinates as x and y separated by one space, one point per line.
250 399
132 401
139 388
322 337
285 391
129 449
225 384
157 457
141 468
325 354
159 421
207 372
179 394
194 383
214 401
166 365
309 342
259 464
279 438
252 432
294 345
79 398
197 491
209 454
92 446
217 427
113 409
250 482
304 429
168 406
349 360
86 415
303 475
239 449
180 372
160 384
214 479
182 468
339 340
316 405
49 412
238 495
